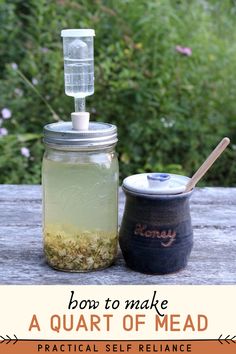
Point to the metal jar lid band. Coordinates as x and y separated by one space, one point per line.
99 135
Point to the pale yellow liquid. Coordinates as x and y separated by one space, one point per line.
80 212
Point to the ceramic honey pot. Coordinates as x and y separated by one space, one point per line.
156 235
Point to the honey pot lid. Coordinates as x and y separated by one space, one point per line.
156 183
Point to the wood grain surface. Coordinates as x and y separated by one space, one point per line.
213 259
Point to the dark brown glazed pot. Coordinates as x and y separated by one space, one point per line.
156 235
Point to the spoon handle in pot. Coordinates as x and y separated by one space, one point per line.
207 164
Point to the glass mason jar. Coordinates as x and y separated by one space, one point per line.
80 196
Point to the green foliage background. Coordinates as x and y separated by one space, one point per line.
170 109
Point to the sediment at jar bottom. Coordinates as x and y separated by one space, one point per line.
79 250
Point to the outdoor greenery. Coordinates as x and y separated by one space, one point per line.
165 75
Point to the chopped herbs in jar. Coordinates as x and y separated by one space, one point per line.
79 250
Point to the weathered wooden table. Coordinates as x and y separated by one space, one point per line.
213 259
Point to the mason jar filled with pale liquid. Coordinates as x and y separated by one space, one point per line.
80 196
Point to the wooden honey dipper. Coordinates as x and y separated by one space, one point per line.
207 164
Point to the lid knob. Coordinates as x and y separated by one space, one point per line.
159 180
